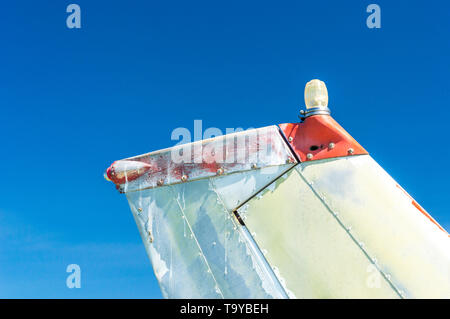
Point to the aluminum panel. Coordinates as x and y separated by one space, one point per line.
197 247
311 252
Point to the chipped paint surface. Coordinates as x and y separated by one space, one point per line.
329 226
223 155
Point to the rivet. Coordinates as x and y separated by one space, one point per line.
139 209
331 145
160 182
220 171
309 156
254 166
150 237
302 112
184 178
291 138
351 150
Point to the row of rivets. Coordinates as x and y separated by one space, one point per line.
350 151
360 244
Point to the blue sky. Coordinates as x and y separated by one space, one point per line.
74 100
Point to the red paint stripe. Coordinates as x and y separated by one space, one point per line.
416 205
423 211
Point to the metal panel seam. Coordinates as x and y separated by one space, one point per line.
238 225
198 244
353 238
207 177
264 187
283 136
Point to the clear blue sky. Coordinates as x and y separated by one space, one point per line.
74 100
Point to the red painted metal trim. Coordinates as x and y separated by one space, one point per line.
237 152
322 137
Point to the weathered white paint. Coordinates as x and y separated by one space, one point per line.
328 227
412 250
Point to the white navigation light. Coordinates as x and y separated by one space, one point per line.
316 94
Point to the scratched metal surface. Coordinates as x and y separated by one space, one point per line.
197 247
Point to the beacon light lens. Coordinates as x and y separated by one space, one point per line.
316 94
